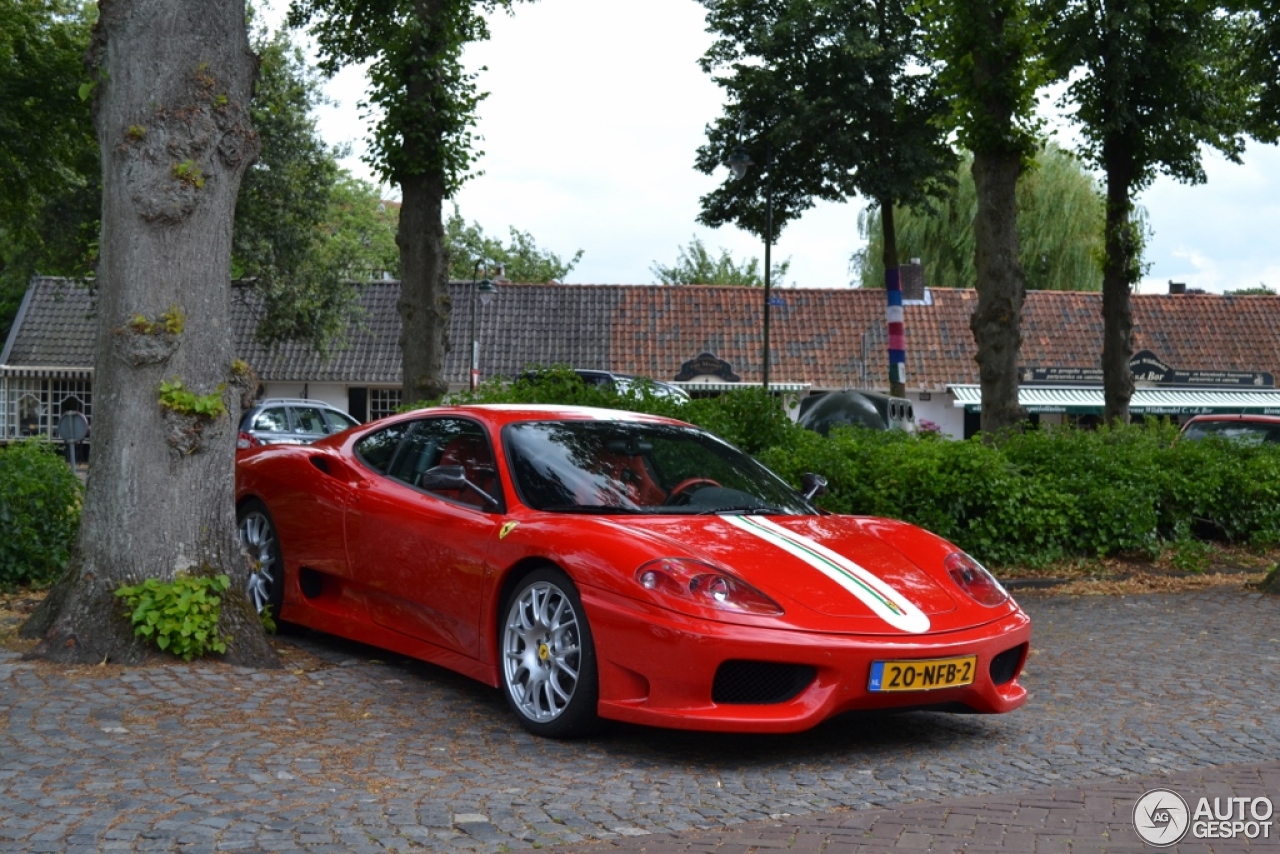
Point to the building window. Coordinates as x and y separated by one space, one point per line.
383 402
70 396
32 407
28 408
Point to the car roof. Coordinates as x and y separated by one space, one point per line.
305 401
1243 417
507 413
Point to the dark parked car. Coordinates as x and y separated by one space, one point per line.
1249 429
624 383
290 421
851 408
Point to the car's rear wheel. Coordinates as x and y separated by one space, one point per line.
258 538
548 657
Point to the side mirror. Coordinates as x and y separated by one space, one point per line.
454 477
813 485
444 477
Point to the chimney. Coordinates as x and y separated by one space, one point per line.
1177 287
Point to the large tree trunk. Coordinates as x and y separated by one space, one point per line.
1118 275
174 81
424 295
997 321
424 264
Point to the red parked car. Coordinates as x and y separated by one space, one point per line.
1249 429
602 564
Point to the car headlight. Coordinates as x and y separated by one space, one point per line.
974 579
698 583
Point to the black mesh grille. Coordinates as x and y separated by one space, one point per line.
759 682
1005 665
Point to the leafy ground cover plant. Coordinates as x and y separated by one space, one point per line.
40 500
180 616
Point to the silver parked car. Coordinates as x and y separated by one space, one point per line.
292 421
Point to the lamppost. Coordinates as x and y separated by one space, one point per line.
739 162
483 292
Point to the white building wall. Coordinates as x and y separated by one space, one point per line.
940 408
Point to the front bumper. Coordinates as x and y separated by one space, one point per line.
658 668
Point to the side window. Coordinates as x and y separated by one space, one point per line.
377 450
448 442
338 421
307 419
273 420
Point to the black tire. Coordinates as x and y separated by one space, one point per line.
548 665
259 540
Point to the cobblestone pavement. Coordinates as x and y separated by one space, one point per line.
365 754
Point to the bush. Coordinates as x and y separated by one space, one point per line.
1044 495
39 513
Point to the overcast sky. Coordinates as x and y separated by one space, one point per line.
596 109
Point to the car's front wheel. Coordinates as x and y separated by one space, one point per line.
548 657
258 538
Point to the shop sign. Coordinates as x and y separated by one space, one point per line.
1147 367
707 365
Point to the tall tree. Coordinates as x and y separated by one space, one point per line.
697 266
299 231
521 259
49 181
988 50
1152 82
1060 215
834 98
1260 37
173 83
422 142
285 200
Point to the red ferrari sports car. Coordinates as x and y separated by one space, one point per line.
603 564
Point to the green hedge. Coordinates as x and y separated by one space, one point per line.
1029 499
40 500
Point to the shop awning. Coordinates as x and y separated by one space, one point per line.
1148 401
46 372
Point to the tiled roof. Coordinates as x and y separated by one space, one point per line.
54 327
829 338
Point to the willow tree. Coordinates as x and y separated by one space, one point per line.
832 98
1060 215
1152 82
173 82
988 51
425 101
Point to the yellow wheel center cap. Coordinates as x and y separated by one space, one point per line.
544 651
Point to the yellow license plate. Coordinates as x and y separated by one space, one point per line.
923 674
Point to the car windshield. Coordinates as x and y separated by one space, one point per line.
1245 432
624 467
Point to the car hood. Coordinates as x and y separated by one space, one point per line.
829 573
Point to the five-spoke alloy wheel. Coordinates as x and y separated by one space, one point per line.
548 659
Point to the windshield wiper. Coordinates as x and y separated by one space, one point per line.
744 510
597 509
